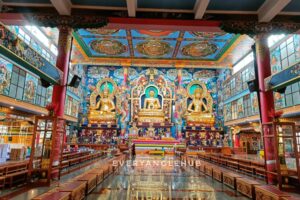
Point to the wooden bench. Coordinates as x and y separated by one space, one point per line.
54 196
105 168
74 161
209 169
218 174
99 173
245 166
233 164
2 177
16 173
263 192
246 187
202 166
223 161
229 179
77 189
90 180
157 152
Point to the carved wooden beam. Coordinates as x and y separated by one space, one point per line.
253 28
74 21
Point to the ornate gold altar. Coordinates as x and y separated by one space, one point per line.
102 103
199 105
151 99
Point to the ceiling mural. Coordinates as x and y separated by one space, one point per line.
158 48
154 44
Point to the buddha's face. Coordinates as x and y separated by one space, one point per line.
151 93
197 94
105 93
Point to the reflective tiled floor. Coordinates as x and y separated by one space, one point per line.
152 177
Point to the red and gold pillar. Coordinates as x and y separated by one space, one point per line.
59 91
266 98
62 62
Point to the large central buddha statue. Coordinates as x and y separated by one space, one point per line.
198 112
151 102
151 111
104 109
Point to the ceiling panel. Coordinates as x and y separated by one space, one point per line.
167 4
293 6
113 3
242 5
154 44
27 1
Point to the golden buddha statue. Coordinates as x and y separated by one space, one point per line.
152 111
104 109
198 111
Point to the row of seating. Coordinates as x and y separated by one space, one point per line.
76 158
253 168
70 155
80 186
246 186
12 174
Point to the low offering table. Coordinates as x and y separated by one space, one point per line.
149 145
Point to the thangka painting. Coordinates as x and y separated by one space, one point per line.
5 76
279 100
240 108
254 103
275 60
31 83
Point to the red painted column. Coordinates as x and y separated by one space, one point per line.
59 91
266 98
62 62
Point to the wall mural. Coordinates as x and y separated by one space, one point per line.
153 43
126 97
5 74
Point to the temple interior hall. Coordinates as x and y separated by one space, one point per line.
149 100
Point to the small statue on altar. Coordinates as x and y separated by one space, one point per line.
74 139
225 141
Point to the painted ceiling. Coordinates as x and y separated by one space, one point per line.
154 44
158 48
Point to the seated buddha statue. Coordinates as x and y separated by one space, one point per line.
103 112
198 112
151 112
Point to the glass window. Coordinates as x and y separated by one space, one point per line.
17 83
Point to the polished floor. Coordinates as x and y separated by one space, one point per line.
150 178
153 177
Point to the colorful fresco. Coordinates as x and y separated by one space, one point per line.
31 83
254 103
154 44
5 75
